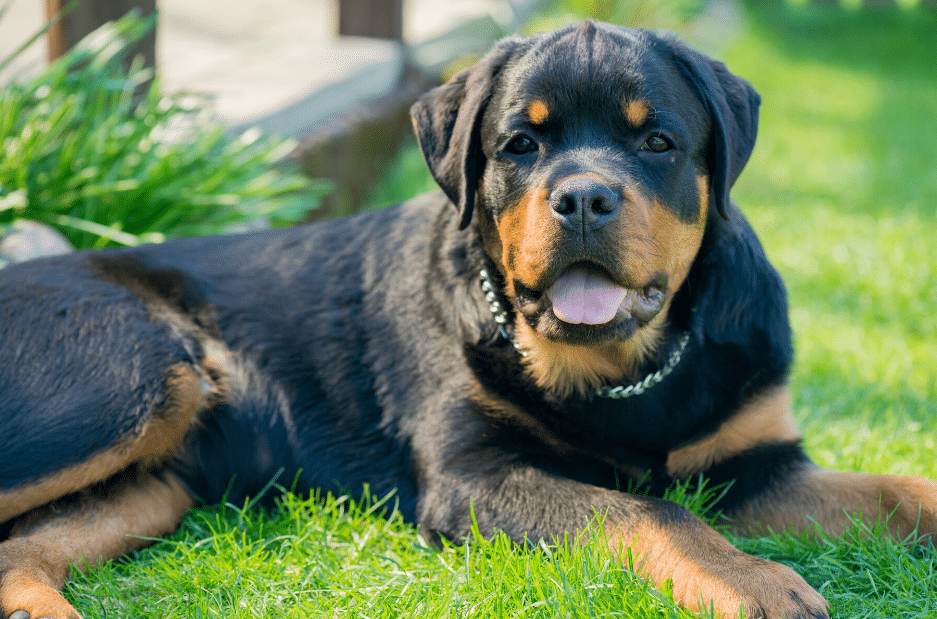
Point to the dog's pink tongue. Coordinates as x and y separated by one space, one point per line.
583 296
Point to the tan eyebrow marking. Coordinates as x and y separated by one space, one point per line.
537 112
637 111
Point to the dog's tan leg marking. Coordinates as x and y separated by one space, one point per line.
706 569
766 418
34 562
158 437
810 496
820 497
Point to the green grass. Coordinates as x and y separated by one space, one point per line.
333 558
842 189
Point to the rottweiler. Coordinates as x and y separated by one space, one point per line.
580 309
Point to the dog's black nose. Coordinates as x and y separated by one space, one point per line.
584 201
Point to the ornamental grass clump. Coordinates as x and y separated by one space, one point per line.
96 150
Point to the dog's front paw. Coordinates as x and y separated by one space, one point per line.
706 571
764 589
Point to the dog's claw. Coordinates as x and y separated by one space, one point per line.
22 614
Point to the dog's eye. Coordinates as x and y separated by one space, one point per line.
657 144
521 145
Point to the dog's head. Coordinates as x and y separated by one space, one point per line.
592 159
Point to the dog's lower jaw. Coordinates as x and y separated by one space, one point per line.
567 370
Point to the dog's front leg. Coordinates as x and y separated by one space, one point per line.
665 541
100 523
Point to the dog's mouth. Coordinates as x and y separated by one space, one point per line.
585 303
584 295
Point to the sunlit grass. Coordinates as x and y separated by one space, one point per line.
842 188
328 557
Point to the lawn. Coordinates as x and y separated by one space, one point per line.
842 189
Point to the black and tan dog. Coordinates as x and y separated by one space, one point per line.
582 303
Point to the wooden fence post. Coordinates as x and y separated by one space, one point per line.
379 19
88 16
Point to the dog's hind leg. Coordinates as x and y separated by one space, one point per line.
104 505
810 497
100 523
156 434
97 373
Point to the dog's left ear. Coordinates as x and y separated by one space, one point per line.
733 110
447 123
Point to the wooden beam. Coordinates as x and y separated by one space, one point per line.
379 19
88 16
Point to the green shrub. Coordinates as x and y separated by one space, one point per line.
92 149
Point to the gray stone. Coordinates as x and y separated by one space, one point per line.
26 239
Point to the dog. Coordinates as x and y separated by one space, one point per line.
580 305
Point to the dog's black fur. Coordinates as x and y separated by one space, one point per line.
363 351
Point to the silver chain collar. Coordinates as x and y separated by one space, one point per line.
618 392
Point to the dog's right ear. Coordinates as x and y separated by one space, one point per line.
733 107
447 123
